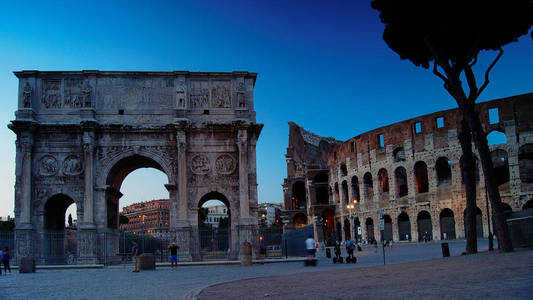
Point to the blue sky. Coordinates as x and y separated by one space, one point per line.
321 64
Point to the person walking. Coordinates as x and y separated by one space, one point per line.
375 245
173 255
5 260
1 254
311 248
390 244
135 255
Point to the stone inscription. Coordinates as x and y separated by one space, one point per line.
134 92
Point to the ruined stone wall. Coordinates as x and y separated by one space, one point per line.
421 141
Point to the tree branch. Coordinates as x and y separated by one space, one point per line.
471 79
439 74
488 71
474 61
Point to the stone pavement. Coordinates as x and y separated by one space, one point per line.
482 276
184 282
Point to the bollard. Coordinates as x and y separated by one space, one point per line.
27 265
445 250
246 254
147 261
328 252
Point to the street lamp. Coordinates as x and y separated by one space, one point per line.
351 208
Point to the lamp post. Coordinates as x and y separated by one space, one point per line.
351 208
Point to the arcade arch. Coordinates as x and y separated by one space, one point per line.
59 240
447 224
444 171
425 227
404 227
368 186
321 188
369 226
355 189
383 178
299 194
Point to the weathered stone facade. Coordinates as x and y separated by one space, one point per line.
80 133
411 171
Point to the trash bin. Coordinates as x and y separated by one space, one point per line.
445 250
328 252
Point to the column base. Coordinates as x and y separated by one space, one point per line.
183 237
24 244
87 245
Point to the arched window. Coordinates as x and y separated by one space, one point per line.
321 188
444 171
383 178
525 163
344 199
337 193
421 177
501 166
404 226
344 171
299 195
447 224
368 185
355 189
398 154
496 138
401 181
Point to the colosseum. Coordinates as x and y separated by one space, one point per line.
409 172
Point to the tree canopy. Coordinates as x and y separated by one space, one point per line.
458 29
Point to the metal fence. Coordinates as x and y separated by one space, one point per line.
65 247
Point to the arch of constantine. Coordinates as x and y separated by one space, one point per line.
80 133
409 171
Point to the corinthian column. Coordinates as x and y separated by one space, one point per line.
244 202
88 200
182 176
25 145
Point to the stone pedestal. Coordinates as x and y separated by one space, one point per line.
27 265
147 261
184 238
24 243
87 245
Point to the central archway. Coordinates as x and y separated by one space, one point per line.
214 232
120 169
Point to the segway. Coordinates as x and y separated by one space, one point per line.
338 258
352 260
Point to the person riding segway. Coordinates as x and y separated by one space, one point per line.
338 258
350 247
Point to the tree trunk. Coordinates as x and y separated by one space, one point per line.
500 225
469 176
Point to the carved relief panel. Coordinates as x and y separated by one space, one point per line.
221 94
51 94
199 94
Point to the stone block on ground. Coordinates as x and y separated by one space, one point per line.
147 261
27 265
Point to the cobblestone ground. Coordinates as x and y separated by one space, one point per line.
481 276
182 283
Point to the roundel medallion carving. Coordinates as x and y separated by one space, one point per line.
72 165
48 165
200 164
225 164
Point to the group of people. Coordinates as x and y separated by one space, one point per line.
135 252
5 256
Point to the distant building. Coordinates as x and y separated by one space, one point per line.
216 213
269 214
149 217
